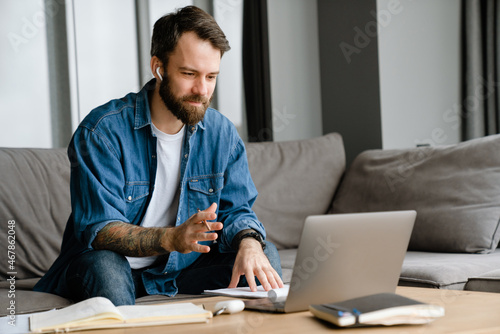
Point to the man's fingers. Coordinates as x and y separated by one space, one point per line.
263 279
235 278
201 226
194 247
251 281
211 208
271 280
205 236
278 279
207 214
274 279
201 248
215 226
201 216
201 219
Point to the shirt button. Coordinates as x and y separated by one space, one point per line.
185 155
130 198
153 156
193 128
210 190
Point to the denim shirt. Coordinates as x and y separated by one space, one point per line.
113 169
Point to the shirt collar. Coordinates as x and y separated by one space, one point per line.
142 111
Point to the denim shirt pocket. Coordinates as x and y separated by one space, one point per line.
136 195
203 191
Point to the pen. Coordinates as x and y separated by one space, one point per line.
205 222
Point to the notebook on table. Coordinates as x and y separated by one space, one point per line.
386 309
344 256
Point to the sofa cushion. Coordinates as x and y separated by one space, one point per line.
454 189
294 179
20 284
487 282
445 270
31 301
34 196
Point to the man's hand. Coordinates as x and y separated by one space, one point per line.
185 237
137 241
252 262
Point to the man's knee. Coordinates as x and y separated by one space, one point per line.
106 262
101 264
101 273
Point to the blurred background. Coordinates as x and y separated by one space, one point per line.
383 73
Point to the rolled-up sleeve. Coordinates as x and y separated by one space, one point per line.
97 179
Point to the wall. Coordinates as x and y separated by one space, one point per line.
230 96
419 54
103 53
24 87
418 50
294 58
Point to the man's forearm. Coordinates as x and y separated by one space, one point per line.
131 240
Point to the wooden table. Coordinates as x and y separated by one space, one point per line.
466 312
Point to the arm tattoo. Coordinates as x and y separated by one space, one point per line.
130 240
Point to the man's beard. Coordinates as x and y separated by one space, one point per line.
187 114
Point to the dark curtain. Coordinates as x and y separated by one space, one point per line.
480 52
256 71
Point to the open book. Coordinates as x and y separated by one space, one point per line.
380 309
99 312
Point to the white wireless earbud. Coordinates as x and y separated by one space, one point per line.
158 72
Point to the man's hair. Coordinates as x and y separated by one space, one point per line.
169 28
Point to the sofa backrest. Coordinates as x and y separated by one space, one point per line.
294 179
34 208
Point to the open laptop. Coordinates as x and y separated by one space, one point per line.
344 256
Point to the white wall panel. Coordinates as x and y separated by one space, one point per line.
295 79
230 92
105 51
419 57
24 87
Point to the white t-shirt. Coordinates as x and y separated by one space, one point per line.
162 210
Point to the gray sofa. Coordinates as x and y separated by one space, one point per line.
455 190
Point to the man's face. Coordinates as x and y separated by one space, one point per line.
189 82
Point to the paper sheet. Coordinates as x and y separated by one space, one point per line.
245 292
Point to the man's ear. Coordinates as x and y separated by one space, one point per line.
157 68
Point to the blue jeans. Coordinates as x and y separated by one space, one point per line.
108 274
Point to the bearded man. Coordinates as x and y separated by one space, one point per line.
161 193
